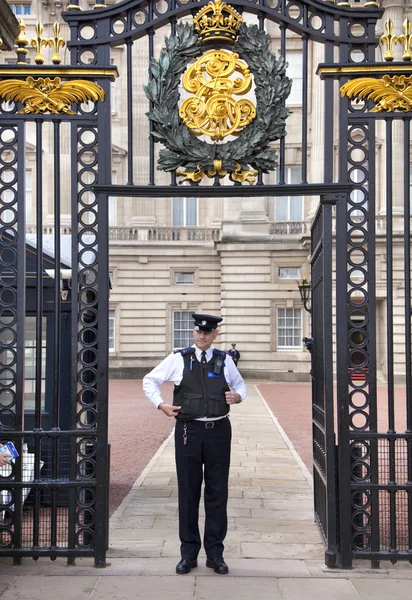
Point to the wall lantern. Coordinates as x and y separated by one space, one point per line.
304 290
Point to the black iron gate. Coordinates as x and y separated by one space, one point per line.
321 346
69 479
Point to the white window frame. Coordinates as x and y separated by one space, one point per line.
185 211
189 338
296 311
289 172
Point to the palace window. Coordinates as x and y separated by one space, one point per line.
112 330
289 328
184 212
184 278
21 9
289 273
290 208
182 328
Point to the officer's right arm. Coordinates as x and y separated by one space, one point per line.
170 369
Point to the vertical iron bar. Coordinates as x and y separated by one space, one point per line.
261 21
101 466
329 109
389 275
173 21
342 359
407 274
129 70
371 375
57 324
331 552
408 309
71 527
20 325
305 40
39 329
389 330
151 34
282 144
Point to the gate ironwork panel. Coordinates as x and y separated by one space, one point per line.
59 426
323 428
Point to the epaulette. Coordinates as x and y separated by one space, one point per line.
221 353
184 351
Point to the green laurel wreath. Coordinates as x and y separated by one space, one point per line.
250 149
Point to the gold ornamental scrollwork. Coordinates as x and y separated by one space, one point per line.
391 93
214 111
44 94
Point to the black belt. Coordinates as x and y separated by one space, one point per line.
207 424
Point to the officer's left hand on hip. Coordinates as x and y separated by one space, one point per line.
232 397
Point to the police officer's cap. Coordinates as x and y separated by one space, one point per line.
233 345
205 322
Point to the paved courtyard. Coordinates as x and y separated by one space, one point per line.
273 547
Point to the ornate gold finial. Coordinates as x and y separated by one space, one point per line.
389 93
217 21
406 40
44 95
56 42
21 42
389 40
213 111
39 42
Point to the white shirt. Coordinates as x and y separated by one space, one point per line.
171 369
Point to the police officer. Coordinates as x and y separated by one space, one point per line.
206 384
235 354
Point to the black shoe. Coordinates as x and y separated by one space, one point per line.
185 566
218 565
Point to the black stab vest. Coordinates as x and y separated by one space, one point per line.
201 393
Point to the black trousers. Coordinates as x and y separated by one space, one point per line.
207 452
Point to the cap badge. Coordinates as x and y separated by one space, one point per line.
204 322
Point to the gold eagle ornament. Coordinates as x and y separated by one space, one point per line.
44 94
389 93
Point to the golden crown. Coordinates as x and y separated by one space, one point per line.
217 21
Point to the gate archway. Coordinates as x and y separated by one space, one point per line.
128 36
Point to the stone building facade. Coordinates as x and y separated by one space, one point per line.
237 257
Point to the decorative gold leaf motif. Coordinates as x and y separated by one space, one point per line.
213 111
389 93
237 175
242 176
49 95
